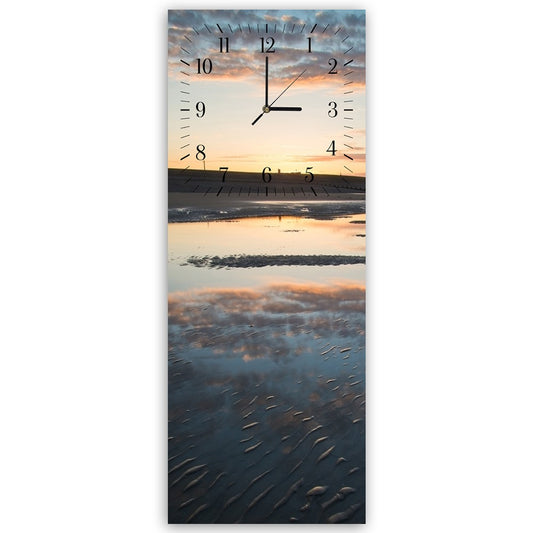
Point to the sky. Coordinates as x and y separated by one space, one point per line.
230 95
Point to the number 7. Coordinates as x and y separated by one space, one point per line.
225 169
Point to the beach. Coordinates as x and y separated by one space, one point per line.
266 368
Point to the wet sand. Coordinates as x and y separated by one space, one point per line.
266 403
266 381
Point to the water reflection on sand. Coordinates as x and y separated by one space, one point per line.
267 394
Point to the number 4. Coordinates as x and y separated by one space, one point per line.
331 148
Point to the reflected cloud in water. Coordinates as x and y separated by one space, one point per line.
268 321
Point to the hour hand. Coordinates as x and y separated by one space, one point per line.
284 108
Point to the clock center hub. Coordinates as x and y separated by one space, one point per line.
266 109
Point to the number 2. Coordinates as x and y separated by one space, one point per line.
333 62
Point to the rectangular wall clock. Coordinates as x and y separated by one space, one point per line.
266 266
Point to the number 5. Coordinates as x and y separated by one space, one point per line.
311 176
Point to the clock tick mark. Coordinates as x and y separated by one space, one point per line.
187 38
348 62
350 158
351 48
340 28
185 50
325 28
313 28
293 26
349 136
348 146
349 109
184 157
183 72
230 28
345 38
185 62
348 169
348 83
219 28
207 27
302 28
197 32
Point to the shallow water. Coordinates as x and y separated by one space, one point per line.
279 348
263 235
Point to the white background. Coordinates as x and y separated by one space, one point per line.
83 289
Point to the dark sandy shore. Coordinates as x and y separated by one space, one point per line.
198 196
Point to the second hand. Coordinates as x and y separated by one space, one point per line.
278 97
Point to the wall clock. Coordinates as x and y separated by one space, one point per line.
266 259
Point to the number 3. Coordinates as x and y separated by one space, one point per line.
332 113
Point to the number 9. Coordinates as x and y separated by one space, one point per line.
200 107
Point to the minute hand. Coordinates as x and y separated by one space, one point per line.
285 108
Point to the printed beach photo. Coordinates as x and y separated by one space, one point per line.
266 266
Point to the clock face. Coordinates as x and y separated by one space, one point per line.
267 92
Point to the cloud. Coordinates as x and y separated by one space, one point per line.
326 158
190 32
